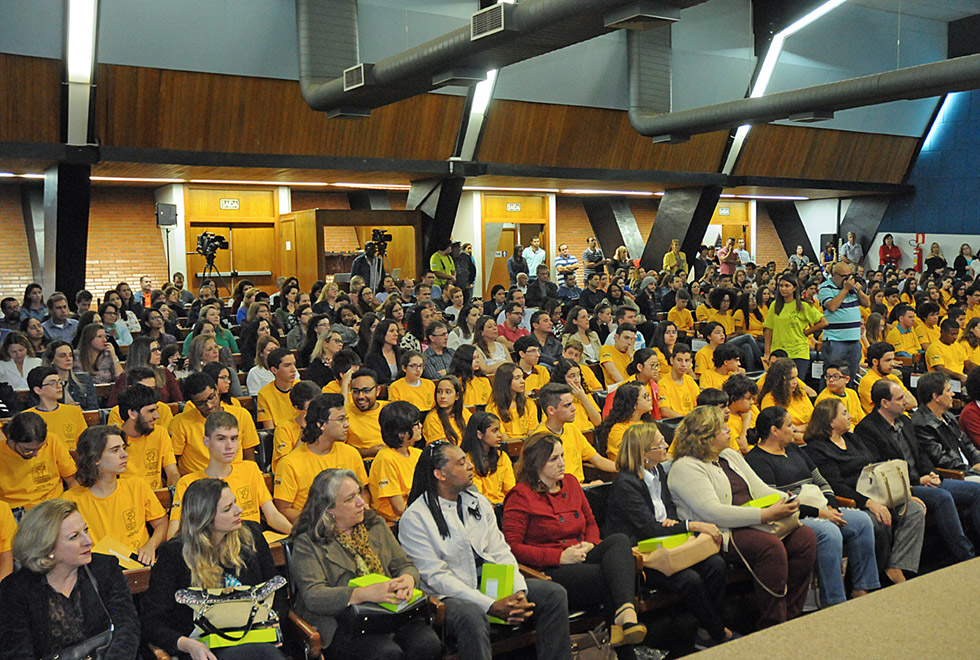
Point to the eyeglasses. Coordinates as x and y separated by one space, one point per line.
30 452
156 349
834 376
199 403
340 420
363 390
414 365
56 383
439 334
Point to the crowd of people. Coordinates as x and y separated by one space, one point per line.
695 389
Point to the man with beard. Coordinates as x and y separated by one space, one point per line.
150 449
364 433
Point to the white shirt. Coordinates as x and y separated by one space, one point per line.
17 379
533 259
258 377
652 480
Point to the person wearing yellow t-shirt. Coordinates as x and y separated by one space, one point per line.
34 464
467 365
587 413
881 359
287 434
631 404
927 325
724 363
518 414
972 306
678 391
493 471
902 336
113 503
449 400
64 421
838 375
272 404
243 477
322 447
742 411
714 334
702 312
393 468
946 355
558 405
8 527
969 343
345 364
679 314
616 357
144 376
529 353
420 392
364 433
573 351
187 428
150 449
782 388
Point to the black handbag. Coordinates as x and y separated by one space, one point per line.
93 648
371 618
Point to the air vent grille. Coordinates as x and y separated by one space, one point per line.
487 21
354 77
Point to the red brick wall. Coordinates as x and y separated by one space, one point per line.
572 223
15 260
768 247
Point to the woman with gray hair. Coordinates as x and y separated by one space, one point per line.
338 538
64 596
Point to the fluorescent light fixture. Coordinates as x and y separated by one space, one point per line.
820 11
11 175
510 190
728 195
81 40
135 179
783 198
660 193
583 191
483 93
374 186
230 182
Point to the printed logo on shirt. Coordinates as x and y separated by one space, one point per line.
151 459
246 501
129 518
69 430
40 474
383 483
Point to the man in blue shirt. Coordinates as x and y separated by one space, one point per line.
568 292
59 324
565 262
841 297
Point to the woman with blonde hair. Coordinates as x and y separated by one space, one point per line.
203 349
328 344
64 595
712 482
935 262
644 509
213 549
621 260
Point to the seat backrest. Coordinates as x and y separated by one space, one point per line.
598 498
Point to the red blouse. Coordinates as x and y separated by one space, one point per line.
889 255
539 526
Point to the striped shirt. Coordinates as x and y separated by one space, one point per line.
844 324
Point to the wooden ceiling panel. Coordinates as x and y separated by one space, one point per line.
573 136
30 101
825 154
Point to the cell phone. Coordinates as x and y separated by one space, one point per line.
792 498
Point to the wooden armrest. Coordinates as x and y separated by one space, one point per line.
309 635
638 558
950 474
438 611
159 653
843 501
529 572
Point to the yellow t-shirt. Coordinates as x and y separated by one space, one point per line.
391 475
735 426
950 357
577 449
299 468
681 398
477 391
519 426
611 355
65 422
187 433
284 440
701 312
582 421
433 429
867 382
755 325
971 313
726 320
115 419
969 353
36 479
496 485
122 516
8 527
850 400
712 378
245 481
903 341
538 378
800 408
272 404
365 430
682 318
704 360
422 396
148 455
589 378
615 439
925 334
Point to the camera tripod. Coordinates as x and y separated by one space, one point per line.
210 270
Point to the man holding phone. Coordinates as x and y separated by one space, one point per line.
842 297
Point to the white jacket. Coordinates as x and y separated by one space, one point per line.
446 565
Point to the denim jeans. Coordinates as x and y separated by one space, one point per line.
941 503
859 536
846 351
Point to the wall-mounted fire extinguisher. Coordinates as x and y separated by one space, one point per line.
920 240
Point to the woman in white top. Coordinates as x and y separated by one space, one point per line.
577 324
16 360
465 326
492 351
259 376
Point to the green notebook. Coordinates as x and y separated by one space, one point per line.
497 581
657 542
763 502
375 578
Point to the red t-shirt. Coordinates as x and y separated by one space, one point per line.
511 336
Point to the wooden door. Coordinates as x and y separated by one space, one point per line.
497 273
287 248
254 251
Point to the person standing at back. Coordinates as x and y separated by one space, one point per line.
534 255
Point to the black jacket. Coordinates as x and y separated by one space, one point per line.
889 443
633 514
535 297
589 299
944 441
164 620
24 620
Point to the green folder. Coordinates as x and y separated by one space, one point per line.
497 581
657 542
375 578
763 502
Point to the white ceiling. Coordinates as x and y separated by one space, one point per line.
936 10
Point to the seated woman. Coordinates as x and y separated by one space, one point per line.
213 549
259 375
544 513
113 504
390 479
146 352
631 404
782 388
644 509
494 354
711 482
336 539
517 413
384 352
95 357
448 418
16 360
493 472
78 388
467 366
841 456
63 595
783 465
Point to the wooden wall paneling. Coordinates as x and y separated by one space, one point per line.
30 106
401 250
736 224
498 273
364 221
288 260
821 153
530 220
196 263
254 204
309 250
253 248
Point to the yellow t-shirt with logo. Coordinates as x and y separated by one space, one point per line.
115 419
867 382
735 426
577 449
187 433
712 378
702 312
391 475
850 400
969 353
149 454
615 357
497 484
422 396
682 318
538 378
433 429
519 426
903 341
121 516
8 527
272 404
726 319
66 422
365 430
589 378
681 398
299 468
36 479
755 326
477 392
245 481
704 360
925 334
950 357
284 440
800 408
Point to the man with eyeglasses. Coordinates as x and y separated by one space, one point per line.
273 405
151 452
838 375
34 466
64 422
365 429
322 447
438 356
528 354
187 428
511 329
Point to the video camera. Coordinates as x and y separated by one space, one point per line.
208 243
381 238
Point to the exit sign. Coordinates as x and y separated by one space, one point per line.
226 204
513 207
724 210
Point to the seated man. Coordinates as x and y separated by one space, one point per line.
287 433
64 421
273 405
541 330
59 325
512 329
946 355
569 292
903 336
616 358
529 353
678 391
881 358
558 405
34 465
449 531
150 449
939 433
838 375
541 289
364 434
243 477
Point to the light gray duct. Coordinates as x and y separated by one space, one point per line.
531 28
915 82
327 37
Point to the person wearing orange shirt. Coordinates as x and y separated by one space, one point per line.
272 404
150 450
678 391
393 468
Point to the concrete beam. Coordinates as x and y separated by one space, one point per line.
684 213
